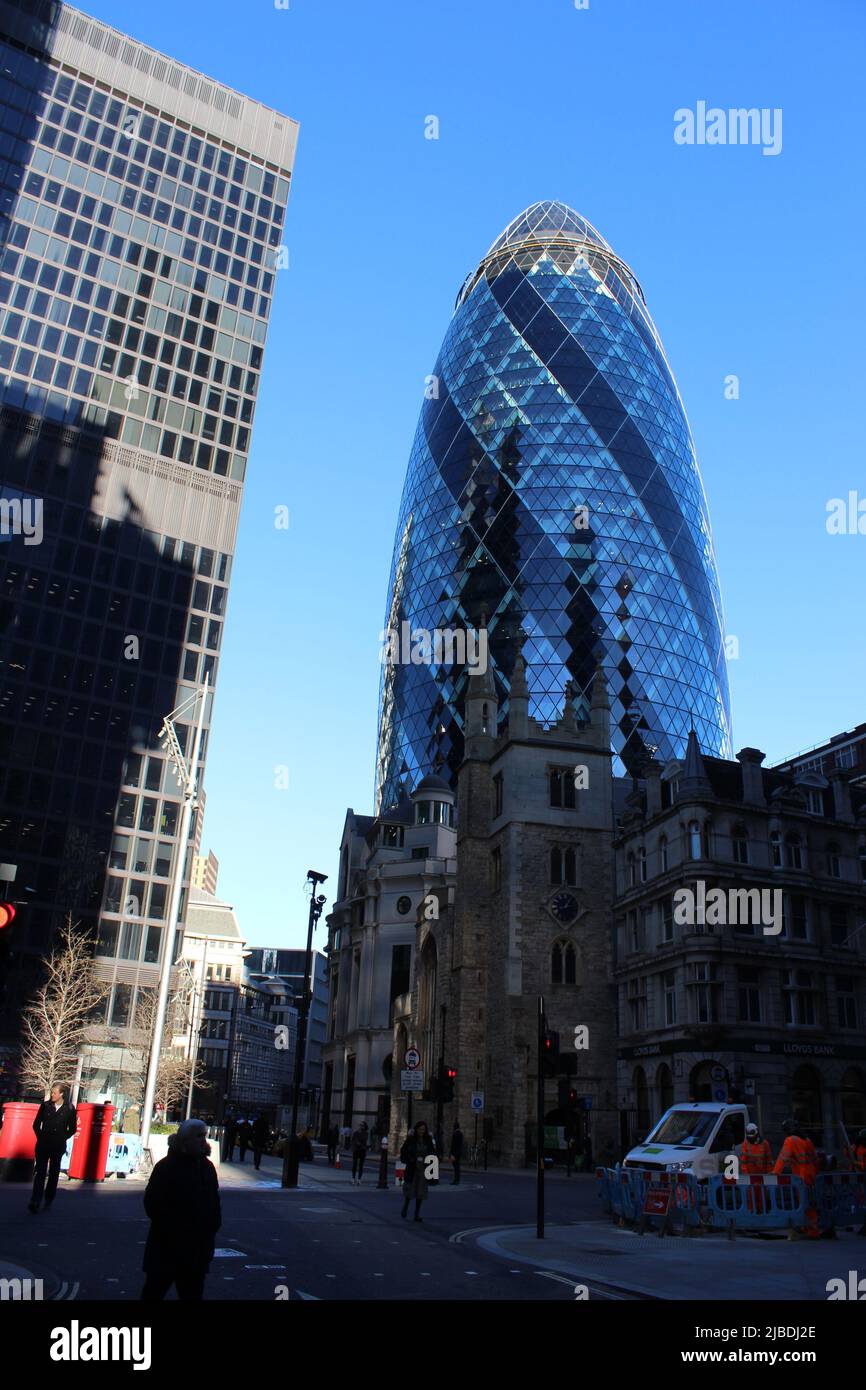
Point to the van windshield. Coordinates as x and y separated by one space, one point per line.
685 1127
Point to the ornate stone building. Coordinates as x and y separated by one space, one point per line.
710 1007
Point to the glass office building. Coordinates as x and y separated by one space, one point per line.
553 486
141 221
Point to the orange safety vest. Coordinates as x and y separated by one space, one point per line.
755 1158
798 1154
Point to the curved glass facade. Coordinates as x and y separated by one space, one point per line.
553 486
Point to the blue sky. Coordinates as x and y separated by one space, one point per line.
751 264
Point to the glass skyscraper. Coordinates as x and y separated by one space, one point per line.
553 487
141 217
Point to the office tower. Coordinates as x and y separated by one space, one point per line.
553 487
141 219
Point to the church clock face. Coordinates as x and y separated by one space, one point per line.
564 907
404 905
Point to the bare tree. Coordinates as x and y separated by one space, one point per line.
55 1023
175 1069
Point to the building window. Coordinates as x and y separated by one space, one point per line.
632 931
637 1002
496 870
793 852
667 906
740 844
669 989
663 853
795 917
497 794
632 871
846 1001
776 849
641 859
401 965
748 995
862 856
838 925
834 862
561 781
563 963
695 847
814 801
563 866
846 757
799 997
704 989
392 836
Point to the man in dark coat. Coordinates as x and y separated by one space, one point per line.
261 1135
230 1130
183 1203
245 1136
54 1124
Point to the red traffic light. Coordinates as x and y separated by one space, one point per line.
452 1073
7 914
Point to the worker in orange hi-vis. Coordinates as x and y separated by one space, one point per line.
755 1156
798 1156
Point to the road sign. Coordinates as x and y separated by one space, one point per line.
412 1059
411 1080
477 1102
720 1094
657 1201
718 1073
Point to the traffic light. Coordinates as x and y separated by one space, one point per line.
448 1079
7 914
550 1053
567 1095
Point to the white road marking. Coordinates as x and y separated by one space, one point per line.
230 1255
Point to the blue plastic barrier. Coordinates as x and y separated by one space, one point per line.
759 1203
603 1186
124 1153
685 1202
840 1199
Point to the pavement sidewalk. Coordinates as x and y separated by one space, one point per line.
698 1267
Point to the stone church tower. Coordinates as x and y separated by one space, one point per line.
531 915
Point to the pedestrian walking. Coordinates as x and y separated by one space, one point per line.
245 1135
54 1125
230 1131
456 1154
261 1133
797 1155
360 1145
415 1153
333 1142
183 1203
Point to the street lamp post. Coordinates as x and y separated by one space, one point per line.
187 778
291 1158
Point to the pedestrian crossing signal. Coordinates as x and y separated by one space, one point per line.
7 914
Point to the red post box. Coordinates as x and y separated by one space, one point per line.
90 1145
17 1140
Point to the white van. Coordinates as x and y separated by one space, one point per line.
692 1138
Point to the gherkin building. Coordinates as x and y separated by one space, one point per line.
553 496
